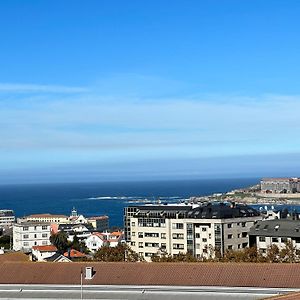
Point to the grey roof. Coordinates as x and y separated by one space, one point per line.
210 210
69 227
276 228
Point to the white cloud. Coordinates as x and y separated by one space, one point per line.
37 88
118 127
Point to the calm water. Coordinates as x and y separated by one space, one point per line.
106 198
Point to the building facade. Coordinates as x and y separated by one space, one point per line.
100 223
29 234
48 218
7 218
280 185
198 230
277 232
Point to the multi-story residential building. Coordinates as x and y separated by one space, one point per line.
48 218
29 234
275 232
280 185
100 223
197 229
7 217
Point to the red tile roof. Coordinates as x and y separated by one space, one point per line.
47 248
74 254
177 274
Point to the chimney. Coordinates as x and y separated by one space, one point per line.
89 272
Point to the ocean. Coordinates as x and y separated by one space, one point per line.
109 198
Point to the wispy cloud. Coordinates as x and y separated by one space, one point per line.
37 88
98 127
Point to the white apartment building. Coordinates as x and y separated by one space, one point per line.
48 218
29 234
199 230
275 232
7 217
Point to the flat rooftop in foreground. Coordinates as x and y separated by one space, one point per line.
263 275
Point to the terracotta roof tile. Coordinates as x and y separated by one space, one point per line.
46 248
188 274
74 254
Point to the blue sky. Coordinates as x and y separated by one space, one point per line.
127 90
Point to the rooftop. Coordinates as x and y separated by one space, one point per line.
46 216
276 228
208 210
165 274
46 248
74 254
99 218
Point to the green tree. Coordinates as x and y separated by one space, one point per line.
122 252
5 241
273 254
60 241
288 253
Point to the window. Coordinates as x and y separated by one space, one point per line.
35 236
197 235
244 245
197 246
244 234
152 234
239 246
204 240
94 244
177 226
274 240
44 235
133 233
262 239
243 224
132 243
141 245
25 236
141 235
263 250
178 236
283 240
239 235
229 236
229 225
25 228
132 223
25 244
152 245
204 229
163 246
163 235
44 243
178 246
229 247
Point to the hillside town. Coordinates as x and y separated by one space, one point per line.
200 229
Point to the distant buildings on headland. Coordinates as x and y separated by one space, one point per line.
280 185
